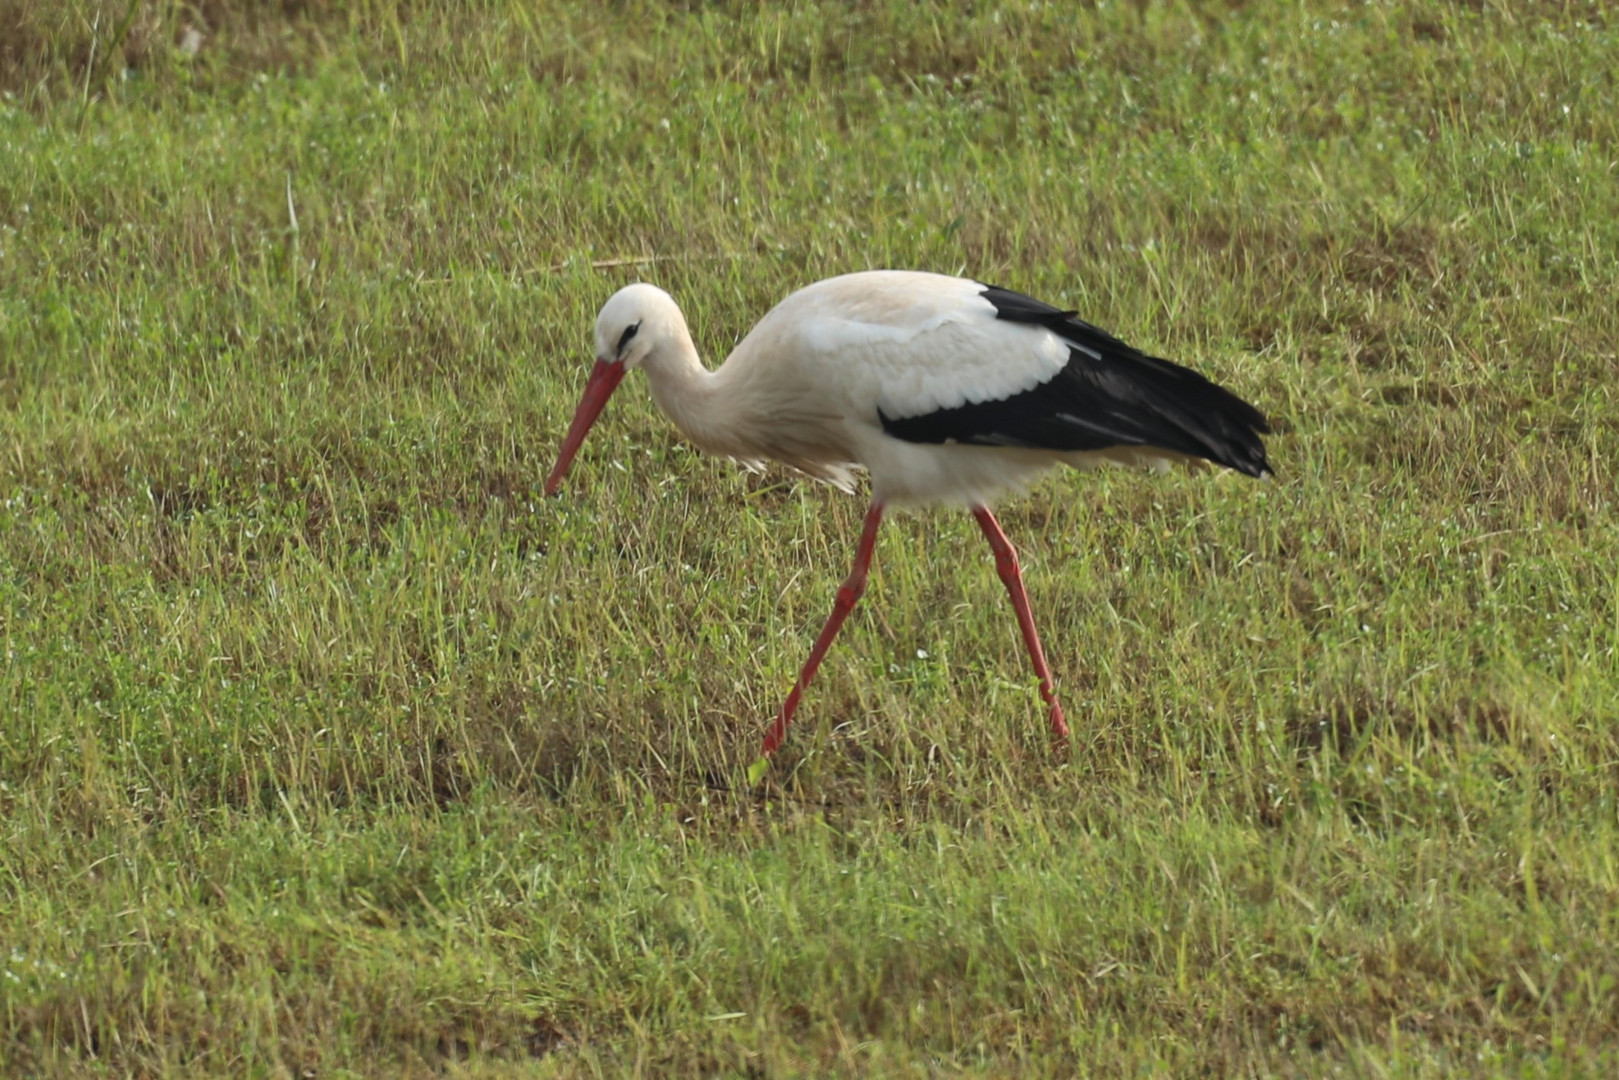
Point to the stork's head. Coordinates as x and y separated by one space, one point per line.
634 326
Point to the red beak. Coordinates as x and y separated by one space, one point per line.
604 379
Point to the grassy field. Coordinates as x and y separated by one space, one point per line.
329 747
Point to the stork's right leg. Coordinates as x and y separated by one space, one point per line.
848 596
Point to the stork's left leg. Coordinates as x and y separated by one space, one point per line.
848 596
1006 564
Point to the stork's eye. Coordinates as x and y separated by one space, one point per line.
624 338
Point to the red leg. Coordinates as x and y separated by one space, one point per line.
1006 564
848 596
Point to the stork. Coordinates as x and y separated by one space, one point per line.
944 390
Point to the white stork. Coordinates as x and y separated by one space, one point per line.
944 390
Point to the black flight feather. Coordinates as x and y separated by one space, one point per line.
1107 395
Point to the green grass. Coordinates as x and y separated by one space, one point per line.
328 746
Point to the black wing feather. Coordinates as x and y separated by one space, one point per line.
1107 395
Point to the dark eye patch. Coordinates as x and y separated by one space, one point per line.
624 338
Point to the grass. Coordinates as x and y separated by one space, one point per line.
329 747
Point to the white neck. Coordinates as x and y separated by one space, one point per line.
687 392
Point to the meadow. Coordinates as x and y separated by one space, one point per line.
330 747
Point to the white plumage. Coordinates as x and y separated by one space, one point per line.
868 332
944 390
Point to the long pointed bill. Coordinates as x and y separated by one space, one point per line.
604 379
